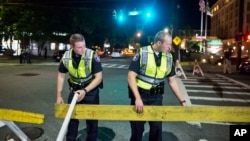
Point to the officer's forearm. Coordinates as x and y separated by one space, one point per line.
174 86
132 84
60 81
95 82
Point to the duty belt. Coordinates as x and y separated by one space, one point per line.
159 89
75 87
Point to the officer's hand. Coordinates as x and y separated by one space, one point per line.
184 104
59 100
81 94
139 105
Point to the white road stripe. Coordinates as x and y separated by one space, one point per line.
214 86
220 99
123 66
222 92
232 80
221 83
204 80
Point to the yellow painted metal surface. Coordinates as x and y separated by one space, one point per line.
21 116
156 113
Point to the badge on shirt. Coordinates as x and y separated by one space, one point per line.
136 57
97 58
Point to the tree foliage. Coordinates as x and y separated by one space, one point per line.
44 23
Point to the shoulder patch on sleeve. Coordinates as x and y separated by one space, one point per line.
136 56
97 58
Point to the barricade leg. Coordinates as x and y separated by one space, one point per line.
65 124
16 130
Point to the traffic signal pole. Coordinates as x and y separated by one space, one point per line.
240 35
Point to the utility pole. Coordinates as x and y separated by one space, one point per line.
240 34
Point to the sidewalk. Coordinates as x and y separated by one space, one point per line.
207 68
34 59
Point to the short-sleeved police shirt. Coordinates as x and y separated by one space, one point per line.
135 64
96 64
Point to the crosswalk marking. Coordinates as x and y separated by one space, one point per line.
202 91
222 92
214 86
221 83
203 80
219 99
104 65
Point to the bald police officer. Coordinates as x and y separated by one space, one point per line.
147 71
85 75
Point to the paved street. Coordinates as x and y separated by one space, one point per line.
32 88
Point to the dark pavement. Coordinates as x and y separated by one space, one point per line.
35 94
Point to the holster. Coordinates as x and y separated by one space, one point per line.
158 89
76 87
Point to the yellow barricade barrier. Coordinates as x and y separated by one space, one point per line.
21 116
156 113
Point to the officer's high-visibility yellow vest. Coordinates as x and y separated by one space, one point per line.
82 74
150 74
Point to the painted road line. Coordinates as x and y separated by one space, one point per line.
214 86
221 92
204 80
242 84
219 99
156 113
123 66
209 83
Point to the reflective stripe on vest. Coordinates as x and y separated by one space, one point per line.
150 74
82 74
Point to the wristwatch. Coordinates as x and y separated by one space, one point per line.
183 101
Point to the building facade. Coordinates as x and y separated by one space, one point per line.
231 18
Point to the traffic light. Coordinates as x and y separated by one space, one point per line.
121 16
247 37
114 14
148 14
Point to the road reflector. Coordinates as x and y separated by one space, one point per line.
21 116
156 113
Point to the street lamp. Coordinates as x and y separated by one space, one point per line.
138 34
166 30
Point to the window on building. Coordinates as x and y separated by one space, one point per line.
248 6
231 7
236 3
236 13
248 18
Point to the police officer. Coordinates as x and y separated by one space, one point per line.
146 82
85 77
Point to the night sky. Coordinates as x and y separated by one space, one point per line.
190 15
165 11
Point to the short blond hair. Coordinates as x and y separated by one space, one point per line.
76 38
159 36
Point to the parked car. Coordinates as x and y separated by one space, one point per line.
244 67
117 53
57 56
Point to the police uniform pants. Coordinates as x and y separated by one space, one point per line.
91 125
137 127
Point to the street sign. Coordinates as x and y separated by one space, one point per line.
177 40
